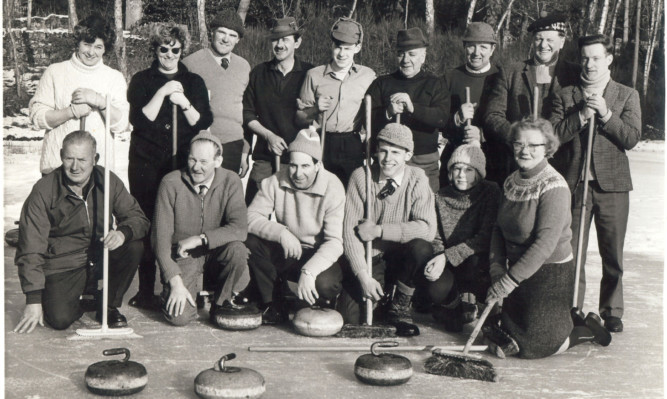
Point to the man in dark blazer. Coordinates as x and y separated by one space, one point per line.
617 115
511 98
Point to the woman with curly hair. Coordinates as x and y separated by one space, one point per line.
77 88
151 94
532 267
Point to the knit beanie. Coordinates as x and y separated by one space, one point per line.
470 155
228 18
206 135
308 142
397 134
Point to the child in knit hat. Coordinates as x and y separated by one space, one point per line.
466 212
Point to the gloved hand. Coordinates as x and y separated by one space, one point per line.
501 288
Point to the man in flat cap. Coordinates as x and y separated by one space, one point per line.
477 76
304 241
199 228
269 102
401 227
226 76
335 92
511 98
420 98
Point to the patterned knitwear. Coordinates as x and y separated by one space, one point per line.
533 225
465 220
407 214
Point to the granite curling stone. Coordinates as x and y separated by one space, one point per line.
383 369
315 321
246 318
116 377
224 382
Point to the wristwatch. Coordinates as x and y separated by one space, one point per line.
204 240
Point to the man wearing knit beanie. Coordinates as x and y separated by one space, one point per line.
418 96
511 96
400 227
457 277
476 76
335 92
226 76
303 242
616 110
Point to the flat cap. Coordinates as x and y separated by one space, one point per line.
347 30
409 39
555 21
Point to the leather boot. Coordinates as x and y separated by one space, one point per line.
399 314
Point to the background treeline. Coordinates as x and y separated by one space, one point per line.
631 22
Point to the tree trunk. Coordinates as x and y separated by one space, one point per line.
656 18
635 58
505 15
71 13
591 10
429 17
524 25
297 10
352 9
603 16
201 19
243 9
626 21
9 14
120 39
29 16
614 17
405 21
471 12
134 11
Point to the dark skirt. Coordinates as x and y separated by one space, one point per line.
537 313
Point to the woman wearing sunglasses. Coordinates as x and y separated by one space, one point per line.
532 267
152 95
77 88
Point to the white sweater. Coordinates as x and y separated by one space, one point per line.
55 92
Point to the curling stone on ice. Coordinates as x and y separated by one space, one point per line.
383 368
224 382
247 318
316 321
116 377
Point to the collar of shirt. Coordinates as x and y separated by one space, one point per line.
206 183
398 179
319 186
481 71
328 70
296 67
218 58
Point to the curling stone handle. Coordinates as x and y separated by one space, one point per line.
117 351
221 362
382 344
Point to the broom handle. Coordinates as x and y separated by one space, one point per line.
582 217
174 136
276 159
478 326
323 125
82 123
468 121
108 155
363 348
398 118
368 244
536 102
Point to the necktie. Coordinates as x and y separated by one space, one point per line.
202 190
387 190
224 63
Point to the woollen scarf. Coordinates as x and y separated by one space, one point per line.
595 86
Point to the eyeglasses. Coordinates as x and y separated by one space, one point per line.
174 50
518 146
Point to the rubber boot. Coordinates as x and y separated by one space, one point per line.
399 312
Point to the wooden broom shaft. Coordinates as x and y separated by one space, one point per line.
82 123
323 126
368 244
536 102
108 155
363 348
478 326
276 159
468 121
398 118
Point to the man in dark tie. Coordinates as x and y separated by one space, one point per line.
401 226
226 75
199 228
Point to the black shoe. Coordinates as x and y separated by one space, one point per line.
468 312
613 324
88 302
500 342
115 319
578 318
272 314
148 301
602 336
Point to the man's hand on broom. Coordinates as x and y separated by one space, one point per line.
32 315
113 240
179 297
370 287
368 231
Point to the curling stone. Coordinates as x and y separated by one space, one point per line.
12 237
316 321
116 377
383 369
247 318
224 382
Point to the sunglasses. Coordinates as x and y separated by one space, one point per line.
174 50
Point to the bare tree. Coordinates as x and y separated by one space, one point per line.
29 19
405 21
471 12
505 15
626 21
134 11
244 5
635 58
614 18
353 8
429 16
201 18
591 11
656 18
71 13
121 56
603 16
9 18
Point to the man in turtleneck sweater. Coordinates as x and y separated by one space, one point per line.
465 121
617 114
420 98
511 98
